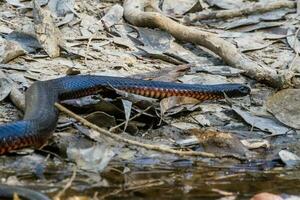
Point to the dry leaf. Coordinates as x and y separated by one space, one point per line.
113 16
61 8
285 106
228 4
292 39
178 7
101 119
256 143
175 104
264 124
290 159
27 41
222 70
220 143
5 88
127 105
95 158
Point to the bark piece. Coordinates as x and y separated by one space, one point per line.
46 31
10 50
15 95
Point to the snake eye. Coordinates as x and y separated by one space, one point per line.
244 89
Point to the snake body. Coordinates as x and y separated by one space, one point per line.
8 191
41 115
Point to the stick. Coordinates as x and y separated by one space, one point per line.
132 118
225 14
132 142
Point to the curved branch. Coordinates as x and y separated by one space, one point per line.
135 14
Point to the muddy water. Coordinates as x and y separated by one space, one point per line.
149 179
196 183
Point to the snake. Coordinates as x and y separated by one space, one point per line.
8 191
41 115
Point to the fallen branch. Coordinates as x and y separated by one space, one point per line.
135 14
225 14
136 143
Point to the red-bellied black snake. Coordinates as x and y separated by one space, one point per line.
41 115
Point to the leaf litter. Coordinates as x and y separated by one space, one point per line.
41 40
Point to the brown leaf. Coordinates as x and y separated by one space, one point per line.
176 104
219 142
256 143
169 74
101 119
172 74
178 7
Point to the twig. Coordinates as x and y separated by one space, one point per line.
132 118
225 14
132 142
8 22
88 48
142 186
67 186
85 38
51 153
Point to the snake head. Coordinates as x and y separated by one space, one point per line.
237 90
244 90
